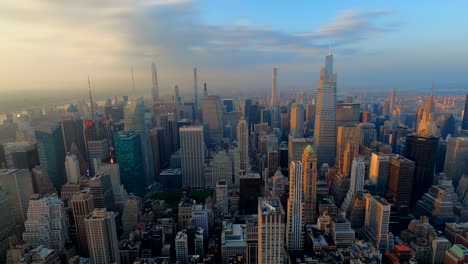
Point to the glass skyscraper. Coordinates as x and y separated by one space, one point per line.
130 159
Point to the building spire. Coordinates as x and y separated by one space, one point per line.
133 83
91 98
155 90
330 49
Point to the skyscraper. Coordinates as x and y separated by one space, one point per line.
356 184
377 222
455 159
309 163
422 150
347 114
192 155
195 96
400 179
101 234
134 115
47 222
51 152
7 223
270 231
464 125
243 143
72 167
274 88
348 139
100 187
297 120
294 224
249 192
81 205
325 120
155 88
73 133
392 101
379 171
181 247
97 145
212 117
129 157
427 126
131 214
368 133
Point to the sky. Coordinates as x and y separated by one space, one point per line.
53 45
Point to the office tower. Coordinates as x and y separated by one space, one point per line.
200 218
129 157
181 247
455 158
366 117
72 167
134 115
448 126
392 101
81 205
341 231
222 197
379 169
462 190
464 125
243 143
377 221
272 163
101 234
266 116
154 88
400 180
356 184
310 118
427 125
7 223
120 194
274 88
192 155
195 96
20 155
348 138
368 133
249 192
25 254
233 243
422 150
47 222
97 145
51 151
229 104
221 165
213 117
309 163
100 187
19 186
325 119
297 121
294 224
73 134
131 214
160 156
114 113
40 182
347 114
296 148
270 231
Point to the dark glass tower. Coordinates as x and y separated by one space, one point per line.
465 115
130 160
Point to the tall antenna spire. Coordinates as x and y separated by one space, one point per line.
330 49
155 90
91 98
133 82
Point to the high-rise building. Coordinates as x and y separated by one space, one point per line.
20 155
19 186
310 118
325 119
422 150
51 151
427 125
309 163
81 205
7 223
294 224
464 125
348 139
270 231
200 218
72 167
213 117
243 143
368 133
296 148
221 168
455 158
400 179
129 157
73 134
154 88
222 196
96 140
377 222
233 243
392 101
297 121
192 156
195 96
100 187
348 114
181 247
379 171
101 233
274 88
41 183
358 170
341 231
249 192
131 214
229 104
47 222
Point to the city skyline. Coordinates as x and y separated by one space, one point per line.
232 49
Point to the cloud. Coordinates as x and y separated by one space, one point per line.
55 42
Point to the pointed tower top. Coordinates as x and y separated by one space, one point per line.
330 49
91 99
